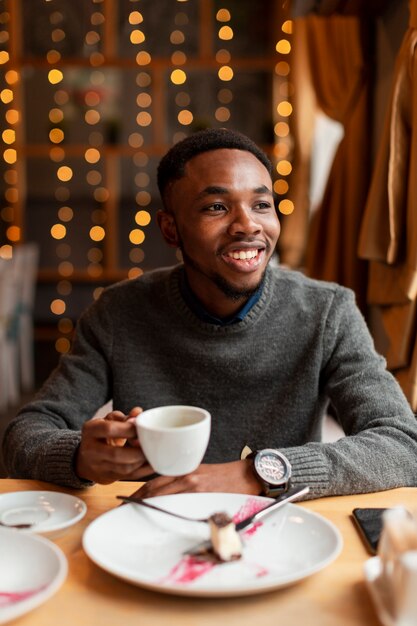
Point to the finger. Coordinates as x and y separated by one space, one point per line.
109 471
100 463
104 463
134 443
117 442
116 416
104 428
123 455
150 488
172 488
145 470
164 485
137 410
119 416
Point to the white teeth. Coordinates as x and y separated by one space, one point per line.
244 254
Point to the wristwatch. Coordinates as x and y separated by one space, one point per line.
272 469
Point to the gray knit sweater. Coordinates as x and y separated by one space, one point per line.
266 381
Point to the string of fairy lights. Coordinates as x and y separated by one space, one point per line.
136 140
178 74
89 85
9 125
63 175
225 72
92 100
282 113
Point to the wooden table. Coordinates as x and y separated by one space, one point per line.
335 596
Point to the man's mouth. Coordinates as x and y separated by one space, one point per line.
243 254
245 259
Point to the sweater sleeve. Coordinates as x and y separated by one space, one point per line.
380 446
41 441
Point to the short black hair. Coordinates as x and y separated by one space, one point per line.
172 165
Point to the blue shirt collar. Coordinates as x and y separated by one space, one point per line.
196 306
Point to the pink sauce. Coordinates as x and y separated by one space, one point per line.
261 571
11 597
251 506
192 568
187 570
251 530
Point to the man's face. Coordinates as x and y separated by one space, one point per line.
223 218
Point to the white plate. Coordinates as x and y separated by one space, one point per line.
32 569
47 511
145 547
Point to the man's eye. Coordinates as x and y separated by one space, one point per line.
263 206
217 206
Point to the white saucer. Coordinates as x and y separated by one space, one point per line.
45 511
32 569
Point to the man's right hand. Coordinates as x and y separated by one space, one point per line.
109 449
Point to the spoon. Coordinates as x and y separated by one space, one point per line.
288 496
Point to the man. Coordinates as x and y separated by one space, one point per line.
262 348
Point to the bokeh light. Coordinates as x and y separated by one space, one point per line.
97 233
286 207
178 77
225 73
283 46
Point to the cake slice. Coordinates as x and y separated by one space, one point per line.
225 540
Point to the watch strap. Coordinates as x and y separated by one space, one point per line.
273 492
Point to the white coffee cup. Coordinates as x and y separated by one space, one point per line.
174 438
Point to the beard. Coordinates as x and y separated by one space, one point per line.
230 291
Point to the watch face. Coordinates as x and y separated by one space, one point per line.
271 467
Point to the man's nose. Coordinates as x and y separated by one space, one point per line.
244 222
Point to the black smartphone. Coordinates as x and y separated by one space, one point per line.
369 524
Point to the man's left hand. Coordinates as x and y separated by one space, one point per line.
234 477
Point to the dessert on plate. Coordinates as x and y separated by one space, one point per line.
225 540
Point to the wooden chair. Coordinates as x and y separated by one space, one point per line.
9 367
26 260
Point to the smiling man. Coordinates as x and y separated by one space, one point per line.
263 348
221 215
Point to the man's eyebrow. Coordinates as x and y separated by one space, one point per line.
212 190
217 190
263 189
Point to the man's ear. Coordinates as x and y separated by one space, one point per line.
168 227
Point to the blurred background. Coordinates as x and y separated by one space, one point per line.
93 93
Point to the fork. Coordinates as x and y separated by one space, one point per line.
290 495
157 508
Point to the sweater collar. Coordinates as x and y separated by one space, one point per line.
197 307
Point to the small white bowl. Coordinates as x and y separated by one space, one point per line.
32 569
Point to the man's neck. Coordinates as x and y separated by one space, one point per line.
216 307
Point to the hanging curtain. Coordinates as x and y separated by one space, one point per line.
388 235
336 63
